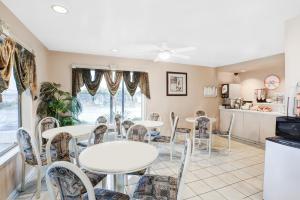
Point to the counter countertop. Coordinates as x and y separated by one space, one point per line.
253 111
284 141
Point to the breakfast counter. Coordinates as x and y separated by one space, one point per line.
249 125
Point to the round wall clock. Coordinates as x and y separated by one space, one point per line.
272 82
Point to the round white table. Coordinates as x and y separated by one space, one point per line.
118 157
76 131
149 123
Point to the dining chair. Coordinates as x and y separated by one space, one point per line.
169 139
45 124
126 124
185 131
101 120
96 136
138 133
154 116
156 187
227 134
200 113
31 155
61 143
203 133
154 132
70 182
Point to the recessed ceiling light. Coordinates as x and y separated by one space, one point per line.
115 50
59 9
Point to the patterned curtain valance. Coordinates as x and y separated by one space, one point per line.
81 77
13 55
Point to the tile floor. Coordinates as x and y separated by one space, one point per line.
234 175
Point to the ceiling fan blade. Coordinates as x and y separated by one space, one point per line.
142 48
181 56
184 49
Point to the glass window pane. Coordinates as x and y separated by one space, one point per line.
133 105
9 111
93 107
102 102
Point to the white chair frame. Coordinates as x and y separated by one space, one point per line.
228 136
39 165
86 182
185 169
92 135
40 136
48 150
208 140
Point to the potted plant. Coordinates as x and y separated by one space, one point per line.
54 102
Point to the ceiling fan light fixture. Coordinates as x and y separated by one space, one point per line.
59 9
164 55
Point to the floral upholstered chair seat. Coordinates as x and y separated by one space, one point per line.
103 194
71 187
162 139
154 187
60 145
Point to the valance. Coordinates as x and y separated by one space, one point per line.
14 56
132 80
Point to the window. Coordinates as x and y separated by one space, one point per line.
9 117
105 104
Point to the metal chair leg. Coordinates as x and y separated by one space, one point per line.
23 175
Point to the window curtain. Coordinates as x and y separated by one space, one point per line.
25 71
81 77
6 61
131 85
13 55
144 84
113 85
92 85
77 81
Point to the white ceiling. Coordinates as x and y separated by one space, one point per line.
224 31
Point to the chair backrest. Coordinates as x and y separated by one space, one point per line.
200 113
45 124
185 160
172 118
137 132
118 118
231 123
126 124
154 116
98 134
202 124
59 145
69 181
173 129
101 120
28 147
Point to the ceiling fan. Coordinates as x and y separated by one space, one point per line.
164 52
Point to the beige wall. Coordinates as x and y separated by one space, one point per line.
60 72
9 170
292 55
254 77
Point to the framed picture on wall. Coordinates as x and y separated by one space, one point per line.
176 84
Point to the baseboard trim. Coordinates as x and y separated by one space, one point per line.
29 177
